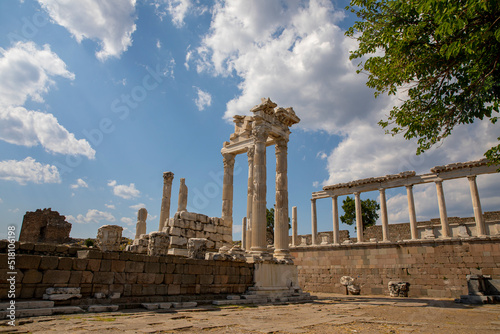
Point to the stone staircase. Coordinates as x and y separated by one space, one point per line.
260 295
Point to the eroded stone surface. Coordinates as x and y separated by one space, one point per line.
44 226
398 288
197 248
158 243
109 238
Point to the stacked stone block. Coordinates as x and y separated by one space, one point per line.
186 225
131 275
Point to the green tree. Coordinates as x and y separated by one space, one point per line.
444 54
270 225
369 210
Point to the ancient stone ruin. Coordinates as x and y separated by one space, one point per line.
45 226
109 238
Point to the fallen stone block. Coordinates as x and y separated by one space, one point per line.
184 304
150 306
233 297
29 305
51 291
60 296
164 306
36 312
67 310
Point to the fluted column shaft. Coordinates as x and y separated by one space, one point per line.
250 155
259 221
244 233
165 201
281 248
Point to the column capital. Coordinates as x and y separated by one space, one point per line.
438 181
281 145
381 189
335 196
168 177
409 186
471 177
356 193
251 153
260 133
228 160
313 200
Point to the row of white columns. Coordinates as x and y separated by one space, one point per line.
445 228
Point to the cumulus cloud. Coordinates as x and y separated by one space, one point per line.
79 184
110 23
178 9
127 220
124 191
92 216
27 73
28 170
203 100
138 206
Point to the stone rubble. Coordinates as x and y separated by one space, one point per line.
109 238
398 288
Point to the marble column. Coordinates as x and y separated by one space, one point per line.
314 222
295 236
445 227
227 190
165 201
281 249
335 214
244 233
359 217
183 196
383 216
250 154
259 221
476 204
411 212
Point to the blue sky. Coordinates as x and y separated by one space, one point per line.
99 98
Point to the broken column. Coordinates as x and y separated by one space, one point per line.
109 238
183 196
398 289
140 227
165 201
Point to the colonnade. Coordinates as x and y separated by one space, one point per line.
470 170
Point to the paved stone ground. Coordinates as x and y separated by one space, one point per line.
330 314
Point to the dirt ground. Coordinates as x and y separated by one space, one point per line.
329 314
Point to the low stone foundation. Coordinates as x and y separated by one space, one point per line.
434 268
131 275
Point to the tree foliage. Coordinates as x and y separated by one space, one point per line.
369 210
444 53
270 225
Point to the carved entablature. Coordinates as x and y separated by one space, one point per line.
459 165
371 180
267 118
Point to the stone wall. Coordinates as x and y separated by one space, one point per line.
434 268
44 226
186 225
131 275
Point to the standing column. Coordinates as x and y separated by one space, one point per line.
250 154
295 236
165 201
281 249
244 233
227 190
445 227
259 221
383 213
411 211
314 222
476 204
335 214
359 217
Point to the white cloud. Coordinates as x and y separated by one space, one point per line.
1 200
110 206
178 9
92 216
110 22
14 210
27 73
203 100
322 155
127 220
124 191
79 184
138 206
28 170
151 217
158 44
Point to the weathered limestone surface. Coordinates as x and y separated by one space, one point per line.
165 201
140 227
45 226
139 245
109 238
158 243
183 196
398 289
197 248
